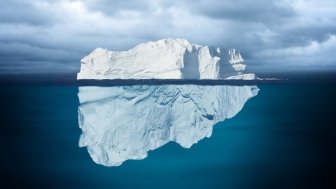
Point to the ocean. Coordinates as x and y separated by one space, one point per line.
282 138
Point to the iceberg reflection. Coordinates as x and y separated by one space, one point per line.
125 122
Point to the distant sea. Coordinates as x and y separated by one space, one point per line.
283 138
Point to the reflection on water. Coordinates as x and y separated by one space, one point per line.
125 122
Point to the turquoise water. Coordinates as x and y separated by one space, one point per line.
283 138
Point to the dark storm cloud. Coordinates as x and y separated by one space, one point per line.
47 35
23 12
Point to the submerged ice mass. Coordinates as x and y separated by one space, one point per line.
170 58
125 122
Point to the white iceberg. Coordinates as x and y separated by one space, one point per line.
125 122
170 58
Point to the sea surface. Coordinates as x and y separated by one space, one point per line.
285 137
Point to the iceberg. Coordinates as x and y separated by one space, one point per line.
170 58
125 122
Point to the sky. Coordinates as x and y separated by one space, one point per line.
46 36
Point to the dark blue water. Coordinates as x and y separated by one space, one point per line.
283 138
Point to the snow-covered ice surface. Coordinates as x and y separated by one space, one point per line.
170 58
125 122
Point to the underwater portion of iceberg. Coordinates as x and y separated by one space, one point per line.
125 122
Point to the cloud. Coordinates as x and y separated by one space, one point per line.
23 12
115 7
320 53
55 35
244 10
311 49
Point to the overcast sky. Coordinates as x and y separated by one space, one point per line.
52 36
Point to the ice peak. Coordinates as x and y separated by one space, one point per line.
181 41
235 56
167 43
170 58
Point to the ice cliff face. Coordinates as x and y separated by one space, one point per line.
164 59
125 122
